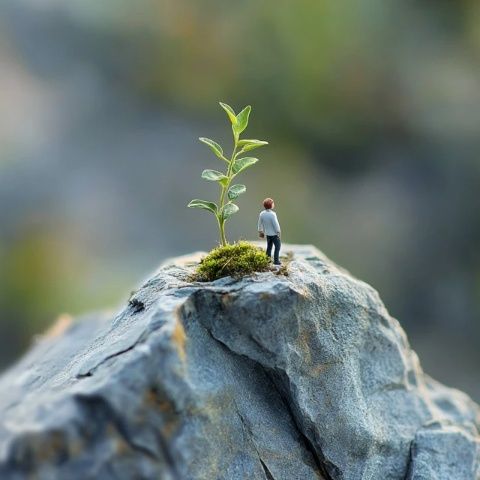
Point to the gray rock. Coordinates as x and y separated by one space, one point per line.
304 376
455 449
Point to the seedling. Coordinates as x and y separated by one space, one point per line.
235 165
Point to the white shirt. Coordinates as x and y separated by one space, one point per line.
268 223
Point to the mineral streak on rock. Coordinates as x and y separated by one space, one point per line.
304 376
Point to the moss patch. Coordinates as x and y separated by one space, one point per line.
236 260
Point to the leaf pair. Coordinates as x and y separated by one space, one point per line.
240 121
246 145
238 166
226 211
233 192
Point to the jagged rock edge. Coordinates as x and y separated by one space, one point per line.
188 295
188 301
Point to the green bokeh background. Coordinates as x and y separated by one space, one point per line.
372 111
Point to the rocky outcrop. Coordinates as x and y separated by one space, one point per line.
304 376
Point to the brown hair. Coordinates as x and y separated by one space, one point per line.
268 202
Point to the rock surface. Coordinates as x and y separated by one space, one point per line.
304 376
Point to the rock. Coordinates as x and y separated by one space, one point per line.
304 376
443 450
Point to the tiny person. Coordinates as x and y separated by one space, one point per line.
268 225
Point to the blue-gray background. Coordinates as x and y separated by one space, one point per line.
372 110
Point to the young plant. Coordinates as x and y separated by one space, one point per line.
235 165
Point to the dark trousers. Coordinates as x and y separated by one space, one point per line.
274 240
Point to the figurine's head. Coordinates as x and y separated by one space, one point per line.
269 203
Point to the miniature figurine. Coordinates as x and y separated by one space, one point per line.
268 226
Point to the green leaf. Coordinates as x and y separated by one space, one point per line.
241 164
229 209
235 190
230 112
242 120
197 203
214 176
216 148
250 144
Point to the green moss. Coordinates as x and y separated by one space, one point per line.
235 259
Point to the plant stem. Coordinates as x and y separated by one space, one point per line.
222 233
221 221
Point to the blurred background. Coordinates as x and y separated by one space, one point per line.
372 111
